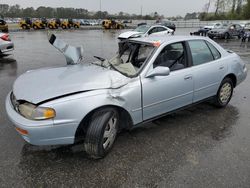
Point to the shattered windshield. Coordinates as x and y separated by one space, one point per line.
142 28
129 59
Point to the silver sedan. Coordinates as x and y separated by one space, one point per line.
148 78
6 45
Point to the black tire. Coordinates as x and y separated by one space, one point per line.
218 99
24 27
35 27
226 36
211 37
98 124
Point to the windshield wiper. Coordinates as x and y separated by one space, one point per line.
99 58
103 61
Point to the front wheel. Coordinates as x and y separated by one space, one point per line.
101 133
224 93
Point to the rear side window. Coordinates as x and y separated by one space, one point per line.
214 51
160 29
200 52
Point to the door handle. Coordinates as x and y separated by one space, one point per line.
189 77
222 67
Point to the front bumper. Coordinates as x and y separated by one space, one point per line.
218 35
6 47
42 132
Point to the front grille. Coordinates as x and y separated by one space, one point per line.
9 47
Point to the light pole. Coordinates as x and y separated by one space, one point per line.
100 9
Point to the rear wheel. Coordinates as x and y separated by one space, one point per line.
101 133
224 93
227 36
35 27
24 27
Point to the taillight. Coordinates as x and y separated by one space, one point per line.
5 37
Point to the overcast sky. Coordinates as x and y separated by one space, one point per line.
165 7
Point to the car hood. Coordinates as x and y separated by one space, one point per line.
128 34
43 84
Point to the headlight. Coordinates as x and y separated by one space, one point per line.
33 112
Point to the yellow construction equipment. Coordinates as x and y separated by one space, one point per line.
54 23
27 23
112 24
3 26
73 23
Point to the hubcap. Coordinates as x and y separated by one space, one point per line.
110 132
225 93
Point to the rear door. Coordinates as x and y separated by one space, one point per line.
208 69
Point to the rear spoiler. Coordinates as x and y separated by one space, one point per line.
73 55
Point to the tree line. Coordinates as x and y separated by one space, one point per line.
16 11
226 10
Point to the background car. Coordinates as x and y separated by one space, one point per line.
146 30
3 26
212 26
167 24
226 31
84 22
178 71
6 45
247 26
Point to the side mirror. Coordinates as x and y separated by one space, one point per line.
159 71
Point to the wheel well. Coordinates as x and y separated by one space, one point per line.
233 78
125 119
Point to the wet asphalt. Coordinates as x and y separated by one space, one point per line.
198 147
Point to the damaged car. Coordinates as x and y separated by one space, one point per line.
226 31
6 45
146 30
92 102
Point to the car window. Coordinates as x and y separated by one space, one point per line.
214 51
238 27
160 29
172 56
153 30
200 52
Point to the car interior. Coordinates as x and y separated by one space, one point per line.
172 56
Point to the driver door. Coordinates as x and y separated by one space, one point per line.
162 94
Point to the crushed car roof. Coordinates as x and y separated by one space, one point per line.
164 39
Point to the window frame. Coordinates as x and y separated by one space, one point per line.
186 51
207 43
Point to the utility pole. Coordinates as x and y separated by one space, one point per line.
100 9
141 10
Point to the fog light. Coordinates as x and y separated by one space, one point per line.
22 131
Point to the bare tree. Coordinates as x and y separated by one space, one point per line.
233 6
239 7
207 6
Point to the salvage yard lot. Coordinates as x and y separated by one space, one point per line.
199 147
